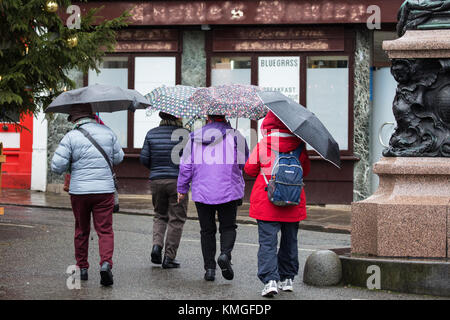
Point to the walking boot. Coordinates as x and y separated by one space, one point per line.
169 263
210 274
106 274
225 264
84 274
156 254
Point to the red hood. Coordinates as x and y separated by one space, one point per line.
273 125
282 144
271 122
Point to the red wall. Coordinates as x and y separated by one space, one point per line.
16 172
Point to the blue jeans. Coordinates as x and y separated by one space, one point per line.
281 265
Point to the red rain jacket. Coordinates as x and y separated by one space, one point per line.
276 136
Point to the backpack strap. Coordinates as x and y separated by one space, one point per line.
277 154
298 151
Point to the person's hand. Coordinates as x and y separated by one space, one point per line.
181 197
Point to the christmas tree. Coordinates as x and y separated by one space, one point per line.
38 48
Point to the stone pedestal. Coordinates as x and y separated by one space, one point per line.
409 215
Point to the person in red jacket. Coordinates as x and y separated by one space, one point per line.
275 269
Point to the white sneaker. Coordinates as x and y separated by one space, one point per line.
270 288
286 285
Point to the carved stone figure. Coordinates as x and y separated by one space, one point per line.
423 14
421 108
422 103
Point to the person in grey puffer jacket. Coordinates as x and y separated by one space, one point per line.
158 152
91 186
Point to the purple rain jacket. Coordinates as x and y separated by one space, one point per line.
212 162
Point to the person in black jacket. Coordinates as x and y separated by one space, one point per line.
160 153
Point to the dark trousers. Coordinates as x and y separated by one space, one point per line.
101 206
170 215
284 264
226 213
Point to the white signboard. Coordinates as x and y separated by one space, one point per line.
279 74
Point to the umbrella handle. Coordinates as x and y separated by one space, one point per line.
380 131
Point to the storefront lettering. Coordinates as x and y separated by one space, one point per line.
279 63
142 46
280 45
264 11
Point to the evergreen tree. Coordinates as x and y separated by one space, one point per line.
37 49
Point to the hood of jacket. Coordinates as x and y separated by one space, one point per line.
214 131
277 136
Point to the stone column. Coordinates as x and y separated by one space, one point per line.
409 215
362 107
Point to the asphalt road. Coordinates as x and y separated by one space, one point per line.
36 247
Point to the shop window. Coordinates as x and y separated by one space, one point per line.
233 70
113 71
150 73
380 57
327 94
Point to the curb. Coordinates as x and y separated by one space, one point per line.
239 219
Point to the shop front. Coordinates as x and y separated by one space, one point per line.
311 65
311 52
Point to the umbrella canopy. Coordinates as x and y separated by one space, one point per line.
102 98
174 101
304 124
232 101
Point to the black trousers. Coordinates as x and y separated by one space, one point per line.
226 213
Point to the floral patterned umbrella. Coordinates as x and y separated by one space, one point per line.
174 101
232 101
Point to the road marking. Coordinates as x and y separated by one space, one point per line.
16 225
246 244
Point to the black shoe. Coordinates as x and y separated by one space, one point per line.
106 275
84 274
210 274
169 263
156 254
225 264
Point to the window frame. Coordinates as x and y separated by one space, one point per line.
130 151
349 152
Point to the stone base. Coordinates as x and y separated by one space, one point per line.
408 216
419 44
398 274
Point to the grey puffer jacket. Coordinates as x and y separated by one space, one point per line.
90 173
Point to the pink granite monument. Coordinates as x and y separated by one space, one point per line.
409 215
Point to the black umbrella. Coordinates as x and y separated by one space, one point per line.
102 98
304 124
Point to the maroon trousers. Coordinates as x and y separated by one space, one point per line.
101 206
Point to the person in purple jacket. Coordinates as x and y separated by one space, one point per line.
212 162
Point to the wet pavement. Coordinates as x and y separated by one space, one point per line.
36 247
327 219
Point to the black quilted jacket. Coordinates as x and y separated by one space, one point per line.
156 153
